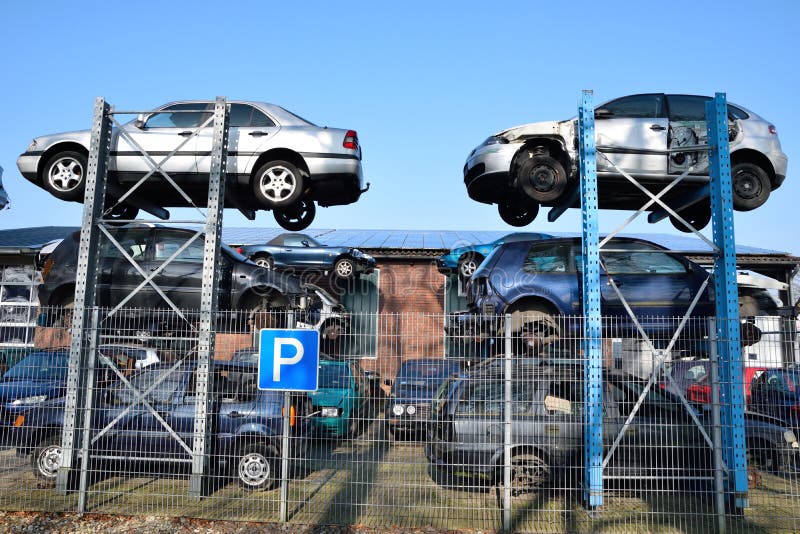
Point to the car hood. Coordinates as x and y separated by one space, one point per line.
329 397
531 129
483 249
19 389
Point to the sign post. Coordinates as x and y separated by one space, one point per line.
288 361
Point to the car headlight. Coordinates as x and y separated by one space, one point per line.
356 253
790 437
411 409
367 257
36 399
398 409
494 140
330 412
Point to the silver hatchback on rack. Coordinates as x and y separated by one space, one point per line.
276 160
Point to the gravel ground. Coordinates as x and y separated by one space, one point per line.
34 523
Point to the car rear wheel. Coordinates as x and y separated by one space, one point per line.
751 187
264 260
65 175
278 184
47 458
344 268
541 176
518 212
257 469
296 217
534 326
468 264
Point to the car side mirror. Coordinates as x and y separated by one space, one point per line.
603 113
304 243
140 120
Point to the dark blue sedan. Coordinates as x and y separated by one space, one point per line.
776 392
301 252
465 260
539 281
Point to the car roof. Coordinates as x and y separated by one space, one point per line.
278 239
284 116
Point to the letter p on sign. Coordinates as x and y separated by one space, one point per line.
288 359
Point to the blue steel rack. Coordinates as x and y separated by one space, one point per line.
727 313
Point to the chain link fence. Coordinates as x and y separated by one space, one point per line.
420 420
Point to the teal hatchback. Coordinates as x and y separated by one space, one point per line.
341 400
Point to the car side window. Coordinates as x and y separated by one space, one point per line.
161 394
165 119
487 398
641 259
243 115
166 245
636 107
293 241
687 108
548 258
695 373
134 242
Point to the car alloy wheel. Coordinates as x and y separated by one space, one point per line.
278 184
264 261
65 174
344 268
467 266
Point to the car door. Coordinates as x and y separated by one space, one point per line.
687 126
181 279
652 281
548 271
250 133
295 253
162 133
632 128
118 277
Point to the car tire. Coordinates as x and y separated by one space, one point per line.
64 175
529 473
296 217
344 268
468 264
257 467
264 260
697 216
46 458
121 212
277 184
541 176
751 186
518 213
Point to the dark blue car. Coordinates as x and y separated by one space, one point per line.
245 440
301 252
39 377
776 392
465 260
409 406
539 283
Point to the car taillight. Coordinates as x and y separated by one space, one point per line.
48 266
240 250
697 393
351 140
773 130
795 408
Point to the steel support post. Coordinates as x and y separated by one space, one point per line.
592 331
76 407
729 348
208 300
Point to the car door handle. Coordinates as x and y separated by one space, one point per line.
657 128
258 134
615 282
236 414
186 133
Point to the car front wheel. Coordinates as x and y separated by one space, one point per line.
344 268
751 187
468 264
65 175
278 184
257 468
47 458
541 176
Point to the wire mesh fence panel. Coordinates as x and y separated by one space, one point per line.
418 420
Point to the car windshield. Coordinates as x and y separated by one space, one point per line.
425 374
248 356
40 366
334 377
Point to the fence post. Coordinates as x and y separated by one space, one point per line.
91 364
716 430
287 406
507 430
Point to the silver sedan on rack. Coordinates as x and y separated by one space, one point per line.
276 160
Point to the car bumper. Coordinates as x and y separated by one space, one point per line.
335 180
28 164
330 426
444 266
486 172
471 325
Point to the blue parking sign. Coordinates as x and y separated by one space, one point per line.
288 359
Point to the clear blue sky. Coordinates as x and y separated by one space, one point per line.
422 82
